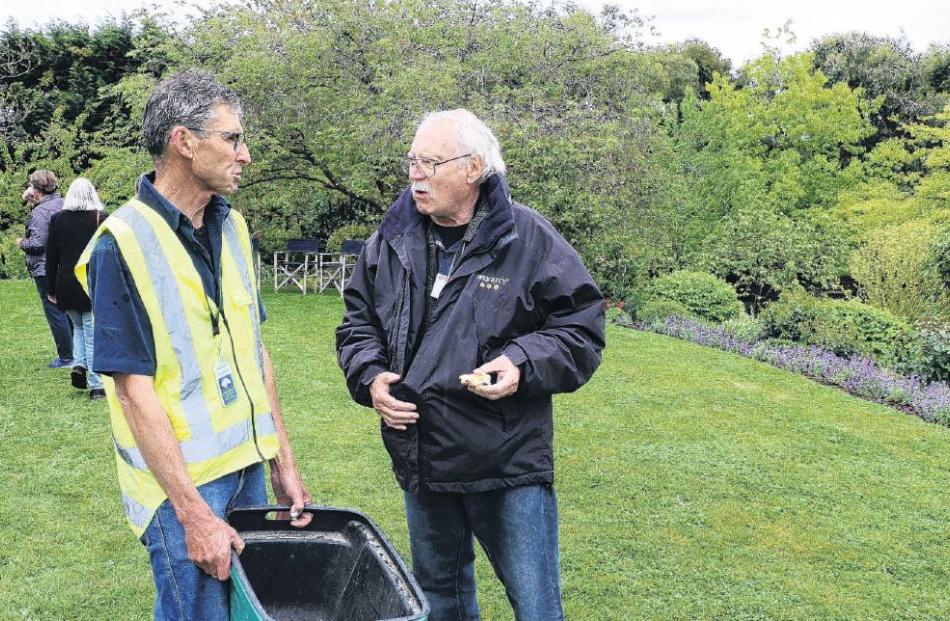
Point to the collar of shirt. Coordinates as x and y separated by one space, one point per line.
217 208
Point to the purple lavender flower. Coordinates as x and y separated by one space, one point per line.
858 375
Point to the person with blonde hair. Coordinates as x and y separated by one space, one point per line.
69 233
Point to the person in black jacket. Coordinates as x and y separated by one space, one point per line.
46 202
69 232
460 280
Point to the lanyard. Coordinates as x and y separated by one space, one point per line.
215 317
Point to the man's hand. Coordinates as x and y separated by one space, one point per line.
508 377
209 540
396 414
289 490
51 298
18 241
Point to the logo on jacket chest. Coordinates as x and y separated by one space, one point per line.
491 282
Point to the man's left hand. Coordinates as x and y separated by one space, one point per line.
508 377
290 490
18 241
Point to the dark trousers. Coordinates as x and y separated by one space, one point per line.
58 322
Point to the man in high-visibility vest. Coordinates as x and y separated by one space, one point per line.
191 389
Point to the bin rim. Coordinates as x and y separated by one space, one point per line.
239 576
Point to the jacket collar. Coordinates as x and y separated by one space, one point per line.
48 197
403 217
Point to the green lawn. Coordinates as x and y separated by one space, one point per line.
693 484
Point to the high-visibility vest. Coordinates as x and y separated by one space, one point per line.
211 387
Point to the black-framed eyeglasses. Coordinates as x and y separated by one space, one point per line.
235 139
427 166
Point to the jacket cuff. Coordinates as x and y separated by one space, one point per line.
370 374
515 353
362 395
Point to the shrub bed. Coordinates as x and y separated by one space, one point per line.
846 328
858 375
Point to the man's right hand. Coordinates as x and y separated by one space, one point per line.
396 414
209 540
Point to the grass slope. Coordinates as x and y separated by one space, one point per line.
693 484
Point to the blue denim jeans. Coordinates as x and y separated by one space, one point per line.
57 321
82 345
517 529
183 591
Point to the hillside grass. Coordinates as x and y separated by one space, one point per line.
693 484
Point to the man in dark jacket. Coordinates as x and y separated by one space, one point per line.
460 280
41 193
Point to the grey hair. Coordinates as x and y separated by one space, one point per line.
472 136
187 99
82 196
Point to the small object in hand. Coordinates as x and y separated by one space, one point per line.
475 379
294 514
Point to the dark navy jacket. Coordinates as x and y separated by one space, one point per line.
519 290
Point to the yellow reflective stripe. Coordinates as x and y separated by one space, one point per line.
234 247
178 313
137 514
165 285
200 449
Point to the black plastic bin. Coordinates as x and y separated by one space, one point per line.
339 568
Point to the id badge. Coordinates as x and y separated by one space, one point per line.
439 285
226 387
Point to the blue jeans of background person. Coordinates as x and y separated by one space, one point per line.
183 591
57 321
82 345
517 529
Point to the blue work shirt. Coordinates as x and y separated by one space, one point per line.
122 333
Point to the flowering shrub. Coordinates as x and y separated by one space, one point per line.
847 328
859 376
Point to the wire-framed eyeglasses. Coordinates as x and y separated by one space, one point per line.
235 139
427 167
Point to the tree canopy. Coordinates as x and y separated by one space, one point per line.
647 159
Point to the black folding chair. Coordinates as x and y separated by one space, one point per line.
336 268
296 263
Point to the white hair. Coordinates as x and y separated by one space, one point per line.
472 136
82 196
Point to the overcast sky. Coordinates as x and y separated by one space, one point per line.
735 27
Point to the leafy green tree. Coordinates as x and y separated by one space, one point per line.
709 62
785 140
759 165
333 92
763 253
932 138
907 84
72 98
